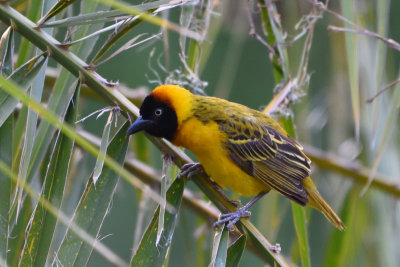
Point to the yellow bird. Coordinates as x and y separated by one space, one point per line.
238 147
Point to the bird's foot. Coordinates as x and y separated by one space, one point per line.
233 217
190 169
243 212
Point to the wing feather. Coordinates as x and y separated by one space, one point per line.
268 155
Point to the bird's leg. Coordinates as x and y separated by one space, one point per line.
190 169
220 191
233 217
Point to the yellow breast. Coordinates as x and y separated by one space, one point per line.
206 141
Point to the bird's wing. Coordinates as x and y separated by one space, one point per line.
268 155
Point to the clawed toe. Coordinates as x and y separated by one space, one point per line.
190 169
243 212
240 214
232 217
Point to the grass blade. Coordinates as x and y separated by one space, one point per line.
93 206
381 53
220 248
57 8
63 89
132 22
153 19
165 181
191 49
351 49
30 129
122 30
392 116
38 239
6 139
26 48
103 148
7 52
16 237
298 211
101 16
235 252
275 38
148 253
23 76
340 244
301 231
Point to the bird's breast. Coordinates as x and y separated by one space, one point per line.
207 141
197 136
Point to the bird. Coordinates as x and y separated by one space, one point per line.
238 147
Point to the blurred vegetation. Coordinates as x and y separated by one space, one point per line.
329 71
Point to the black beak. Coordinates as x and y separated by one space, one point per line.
139 125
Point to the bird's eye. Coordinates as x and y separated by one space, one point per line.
158 112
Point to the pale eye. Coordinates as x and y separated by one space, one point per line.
158 112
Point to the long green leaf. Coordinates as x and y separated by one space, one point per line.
30 129
7 52
165 181
301 231
220 248
275 38
23 76
16 231
102 16
63 89
36 91
140 16
340 243
153 19
57 8
390 122
148 253
26 48
122 30
93 206
352 55
19 130
298 211
103 148
383 10
36 249
193 49
6 138
235 252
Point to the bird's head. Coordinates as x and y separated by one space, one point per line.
163 111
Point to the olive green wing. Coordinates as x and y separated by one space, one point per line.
268 155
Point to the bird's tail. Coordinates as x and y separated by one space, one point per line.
316 201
